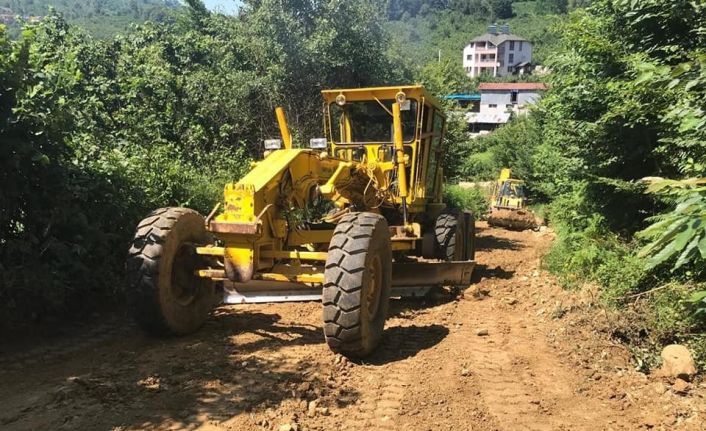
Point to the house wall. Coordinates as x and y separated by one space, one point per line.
519 56
498 98
528 98
521 52
472 67
502 98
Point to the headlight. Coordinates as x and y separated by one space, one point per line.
273 144
317 143
400 97
341 100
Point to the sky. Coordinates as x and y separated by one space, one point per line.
225 6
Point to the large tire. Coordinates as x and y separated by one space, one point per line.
358 281
450 236
471 237
164 295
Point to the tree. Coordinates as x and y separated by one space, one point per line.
501 9
552 6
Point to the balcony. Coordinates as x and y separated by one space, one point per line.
486 63
492 50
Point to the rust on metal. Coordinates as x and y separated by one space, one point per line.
238 228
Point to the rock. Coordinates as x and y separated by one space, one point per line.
651 420
681 386
152 383
465 372
323 411
286 427
479 293
678 362
311 410
482 332
511 301
659 388
78 381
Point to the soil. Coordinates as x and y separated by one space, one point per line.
512 352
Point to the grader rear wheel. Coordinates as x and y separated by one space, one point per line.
358 281
164 294
450 236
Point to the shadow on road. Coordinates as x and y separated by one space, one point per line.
266 330
406 307
484 271
401 342
491 242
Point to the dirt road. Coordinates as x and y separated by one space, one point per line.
514 352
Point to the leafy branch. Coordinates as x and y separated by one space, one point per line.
681 233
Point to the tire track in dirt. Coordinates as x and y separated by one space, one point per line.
384 402
525 386
266 367
522 380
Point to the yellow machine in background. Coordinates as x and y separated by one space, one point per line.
346 220
508 206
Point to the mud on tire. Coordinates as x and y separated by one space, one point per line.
164 295
358 280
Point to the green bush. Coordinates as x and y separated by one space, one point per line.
510 146
658 305
463 198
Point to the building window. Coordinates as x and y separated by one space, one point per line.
513 96
509 106
511 58
492 105
520 48
469 57
512 45
509 69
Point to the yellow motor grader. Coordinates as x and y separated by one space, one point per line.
351 220
508 204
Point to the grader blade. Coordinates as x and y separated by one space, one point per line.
514 219
408 280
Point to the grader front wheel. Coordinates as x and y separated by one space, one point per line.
164 294
358 281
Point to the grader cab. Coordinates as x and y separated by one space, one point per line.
351 220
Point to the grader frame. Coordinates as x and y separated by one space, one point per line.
379 168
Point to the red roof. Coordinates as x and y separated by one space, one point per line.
512 86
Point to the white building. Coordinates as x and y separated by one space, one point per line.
497 53
499 101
